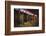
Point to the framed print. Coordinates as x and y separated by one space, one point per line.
24 17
